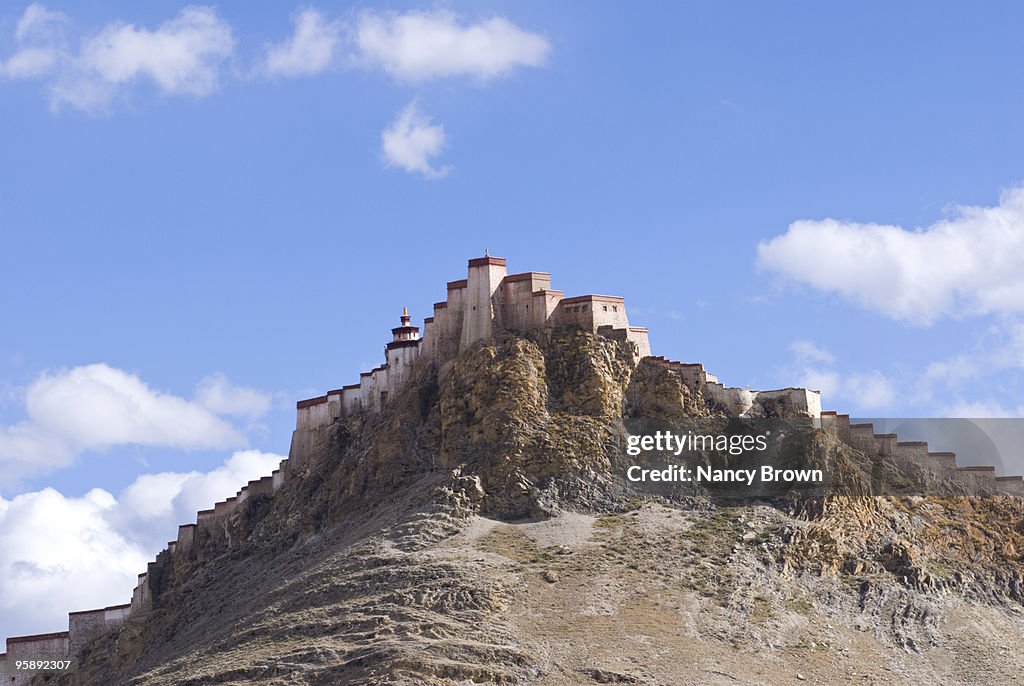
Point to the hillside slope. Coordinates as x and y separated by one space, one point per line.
479 530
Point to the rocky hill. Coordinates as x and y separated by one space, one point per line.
478 529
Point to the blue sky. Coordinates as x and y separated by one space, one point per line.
215 215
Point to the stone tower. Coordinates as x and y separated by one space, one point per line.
484 279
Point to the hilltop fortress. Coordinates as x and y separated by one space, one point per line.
488 304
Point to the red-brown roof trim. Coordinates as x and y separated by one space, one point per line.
525 276
487 262
402 344
592 297
310 402
37 637
104 609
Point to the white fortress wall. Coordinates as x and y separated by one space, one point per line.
485 276
350 397
802 401
944 463
88 624
910 454
186 538
38 647
334 404
885 444
1013 485
518 311
278 476
978 478
543 306
738 401
639 336
427 346
312 413
141 598
367 384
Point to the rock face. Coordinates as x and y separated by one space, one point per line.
478 530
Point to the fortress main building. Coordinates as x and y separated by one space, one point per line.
487 301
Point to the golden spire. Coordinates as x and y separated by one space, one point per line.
405 311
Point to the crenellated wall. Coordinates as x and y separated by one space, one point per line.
914 457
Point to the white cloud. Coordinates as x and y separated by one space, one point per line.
826 381
981 409
27 448
61 554
182 56
416 46
972 263
411 142
218 394
1001 347
41 41
870 391
814 368
95 407
310 50
807 351
37 22
987 366
30 63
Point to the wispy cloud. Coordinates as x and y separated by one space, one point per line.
41 42
815 368
217 394
411 142
805 351
312 48
183 56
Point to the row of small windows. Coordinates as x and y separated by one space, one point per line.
583 308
